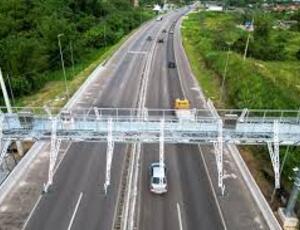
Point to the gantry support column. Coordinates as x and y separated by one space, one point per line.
54 149
109 155
161 144
219 148
274 153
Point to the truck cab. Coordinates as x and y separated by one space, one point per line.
183 109
182 104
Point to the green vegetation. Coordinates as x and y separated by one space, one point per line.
29 51
254 83
161 2
53 93
244 3
268 79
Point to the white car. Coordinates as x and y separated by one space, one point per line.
158 178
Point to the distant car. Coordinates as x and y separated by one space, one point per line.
160 40
149 38
158 178
172 65
159 18
164 31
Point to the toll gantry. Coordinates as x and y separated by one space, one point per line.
274 128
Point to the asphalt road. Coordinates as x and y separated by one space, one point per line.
77 199
189 203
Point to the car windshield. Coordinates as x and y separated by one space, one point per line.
155 180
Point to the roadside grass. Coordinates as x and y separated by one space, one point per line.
209 82
252 84
53 94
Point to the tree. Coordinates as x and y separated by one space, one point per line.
29 29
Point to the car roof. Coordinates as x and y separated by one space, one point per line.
158 171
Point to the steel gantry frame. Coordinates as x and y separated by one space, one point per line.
274 154
206 126
161 143
109 155
218 145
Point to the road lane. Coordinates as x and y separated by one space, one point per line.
83 168
187 179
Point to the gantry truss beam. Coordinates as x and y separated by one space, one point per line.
127 127
210 126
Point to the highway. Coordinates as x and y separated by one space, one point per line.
189 203
77 200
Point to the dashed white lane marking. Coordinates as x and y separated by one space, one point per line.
137 52
75 211
195 89
231 175
179 217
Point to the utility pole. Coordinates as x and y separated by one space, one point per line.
289 211
63 64
225 73
287 215
5 95
246 47
9 110
72 58
248 40
11 91
104 36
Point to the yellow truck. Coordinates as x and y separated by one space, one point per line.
182 104
183 109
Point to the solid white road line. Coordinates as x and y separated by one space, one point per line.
179 216
213 189
32 211
75 211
